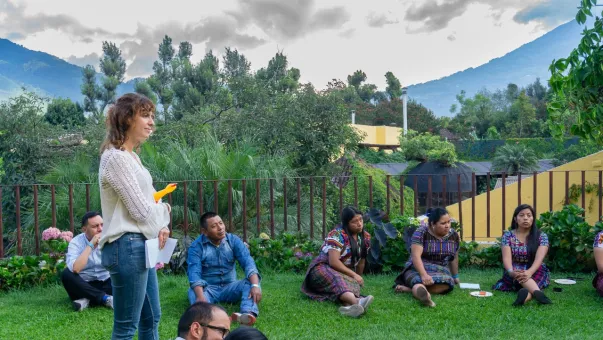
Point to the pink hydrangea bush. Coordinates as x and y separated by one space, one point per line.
55 241
51 234
67 236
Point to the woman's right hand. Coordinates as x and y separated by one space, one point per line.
359 279
427 280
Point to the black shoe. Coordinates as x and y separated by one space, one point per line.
540 297
522 295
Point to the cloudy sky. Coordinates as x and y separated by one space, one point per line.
418 40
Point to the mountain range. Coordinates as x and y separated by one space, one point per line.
54 77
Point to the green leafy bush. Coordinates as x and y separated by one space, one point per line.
427 147
286 252
570 239
19 272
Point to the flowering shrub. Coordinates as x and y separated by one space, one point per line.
55 242
67 236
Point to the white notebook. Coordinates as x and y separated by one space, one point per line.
156 255
464 285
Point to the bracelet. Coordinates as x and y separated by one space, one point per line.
455 276
90 245
256 285
510 271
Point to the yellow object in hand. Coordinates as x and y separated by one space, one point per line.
168 189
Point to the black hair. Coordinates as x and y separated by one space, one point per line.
205 217
347 214
533 239
434 214
246 333
200 312
89 215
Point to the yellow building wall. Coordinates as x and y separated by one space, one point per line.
591 165
383 135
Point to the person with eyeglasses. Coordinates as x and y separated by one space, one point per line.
203 320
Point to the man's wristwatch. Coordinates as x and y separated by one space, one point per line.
91 245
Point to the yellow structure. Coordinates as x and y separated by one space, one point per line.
379 135
590 166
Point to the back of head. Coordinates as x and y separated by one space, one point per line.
120 115
246 333
200 312
434 214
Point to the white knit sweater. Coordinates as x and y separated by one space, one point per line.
126 191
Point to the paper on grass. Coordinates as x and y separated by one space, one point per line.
465 285
155 255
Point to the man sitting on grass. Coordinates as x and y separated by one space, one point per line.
211 270
85 279
205 321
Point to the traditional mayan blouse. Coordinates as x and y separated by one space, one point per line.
598 240
435 250
519 250
339 240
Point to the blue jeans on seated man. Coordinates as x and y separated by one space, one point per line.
135 288
230 293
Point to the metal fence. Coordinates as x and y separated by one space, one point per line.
309 205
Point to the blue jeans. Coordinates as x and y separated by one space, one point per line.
230 293
135 288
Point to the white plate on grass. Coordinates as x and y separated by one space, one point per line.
477 294
565 282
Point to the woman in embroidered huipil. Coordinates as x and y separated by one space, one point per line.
598 251
523 250
336 273
433 265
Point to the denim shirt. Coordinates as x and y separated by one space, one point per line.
209 264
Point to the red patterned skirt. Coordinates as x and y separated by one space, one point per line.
324 283
508 284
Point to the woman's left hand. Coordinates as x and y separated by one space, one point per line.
457 281
164 234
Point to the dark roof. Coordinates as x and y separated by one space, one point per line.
480 168
391 168
437 171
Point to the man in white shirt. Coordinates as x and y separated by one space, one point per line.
86 281
203 320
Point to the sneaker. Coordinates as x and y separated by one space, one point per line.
246 319
80 304
109 302
353 311
366 301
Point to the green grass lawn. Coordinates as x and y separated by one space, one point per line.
45 313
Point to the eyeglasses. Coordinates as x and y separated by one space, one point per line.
222 330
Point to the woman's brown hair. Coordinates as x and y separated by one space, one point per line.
120 115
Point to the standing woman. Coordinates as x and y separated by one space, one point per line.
131 217
523 250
